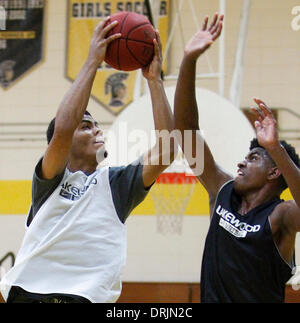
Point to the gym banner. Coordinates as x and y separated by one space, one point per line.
113 89
21 37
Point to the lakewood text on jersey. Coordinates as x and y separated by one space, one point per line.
233 225
74 193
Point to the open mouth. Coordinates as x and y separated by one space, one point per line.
240 173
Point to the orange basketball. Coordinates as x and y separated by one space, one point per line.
135 48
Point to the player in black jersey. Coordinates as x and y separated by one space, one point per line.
249 249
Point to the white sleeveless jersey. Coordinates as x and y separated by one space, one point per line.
76 243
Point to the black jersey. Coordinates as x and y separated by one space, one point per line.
241 262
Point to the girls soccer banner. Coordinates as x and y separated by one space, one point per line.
21 36
113 89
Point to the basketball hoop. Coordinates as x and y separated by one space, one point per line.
171 195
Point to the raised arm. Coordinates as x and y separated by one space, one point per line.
267 136
74 104
186 110
162 154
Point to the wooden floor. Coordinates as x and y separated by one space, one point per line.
175 293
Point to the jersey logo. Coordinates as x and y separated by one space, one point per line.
71 192
234 226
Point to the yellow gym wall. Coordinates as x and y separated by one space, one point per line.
272 72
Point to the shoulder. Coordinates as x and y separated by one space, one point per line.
37 177
127 188
226 188
285 208
132 170
113 171
42 189
286 215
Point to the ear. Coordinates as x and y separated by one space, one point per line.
274 173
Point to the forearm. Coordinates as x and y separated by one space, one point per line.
162 114
74 103
289 170
161 155
185 106
163 124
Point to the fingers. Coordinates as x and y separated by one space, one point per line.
157 45
259 116
158 38
113 37
262 105
108 28
216 26
214 22
103 28
216 32
153 70
156 49
101 24
204 26
264 109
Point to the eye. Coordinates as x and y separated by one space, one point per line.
85 126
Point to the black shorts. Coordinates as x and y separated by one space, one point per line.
19 295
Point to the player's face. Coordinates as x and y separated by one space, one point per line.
252 173
88 139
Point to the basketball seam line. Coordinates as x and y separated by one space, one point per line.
123 22
134 55
139 41
136 27
135 40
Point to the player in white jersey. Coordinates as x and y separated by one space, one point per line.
74 248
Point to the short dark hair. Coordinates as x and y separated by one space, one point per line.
289 149
51 126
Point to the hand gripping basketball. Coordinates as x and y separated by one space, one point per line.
134 49
100 40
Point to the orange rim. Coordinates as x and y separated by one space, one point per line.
176 178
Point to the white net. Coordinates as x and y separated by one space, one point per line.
171 195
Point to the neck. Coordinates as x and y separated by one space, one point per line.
250 200
82 165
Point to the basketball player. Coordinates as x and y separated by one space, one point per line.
74 248
249 249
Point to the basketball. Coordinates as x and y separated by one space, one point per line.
135 48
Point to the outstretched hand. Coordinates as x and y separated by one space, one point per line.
202 40
265 125
153 70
